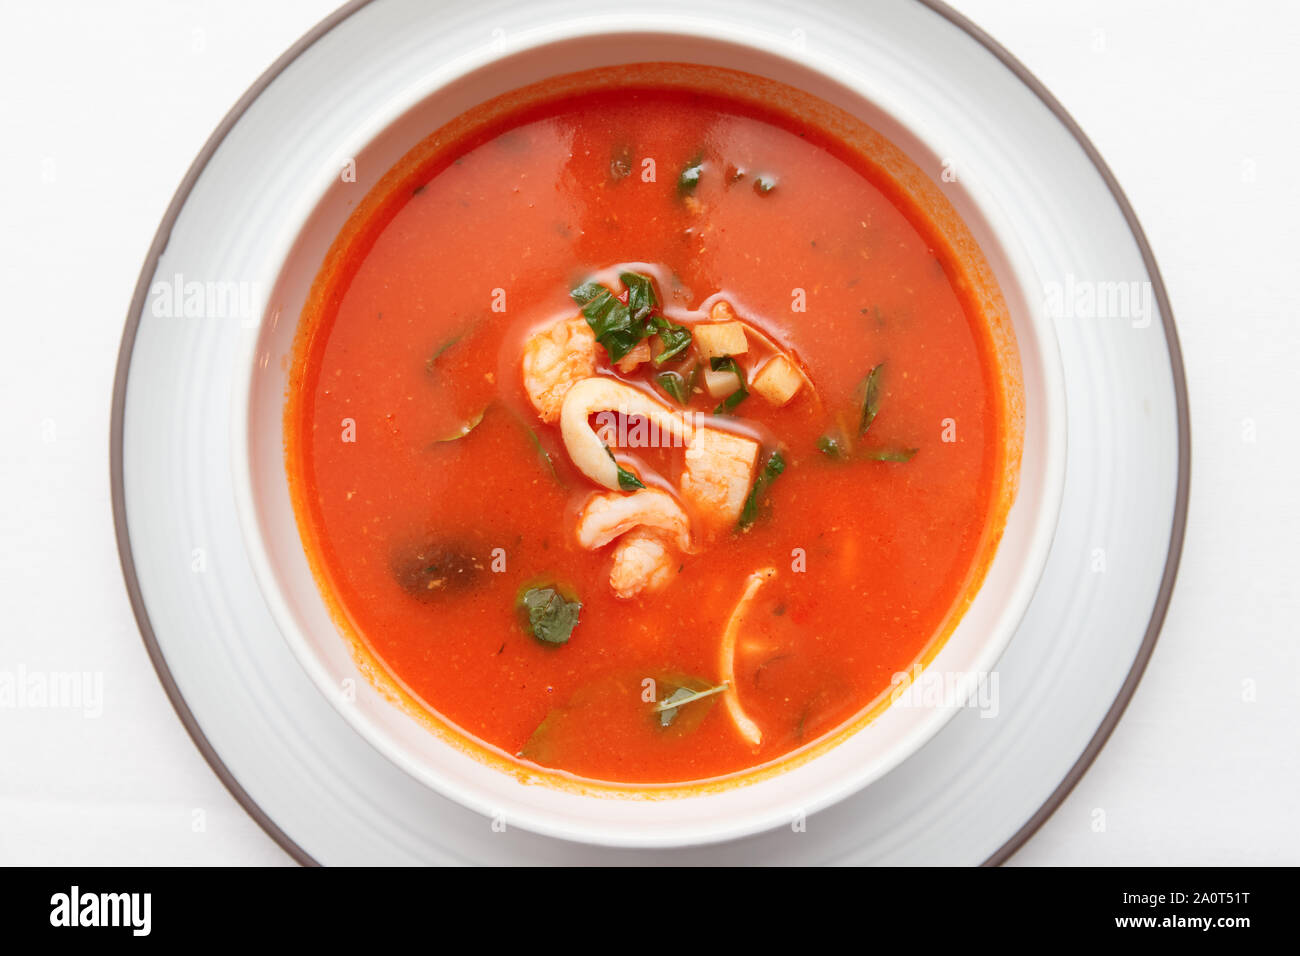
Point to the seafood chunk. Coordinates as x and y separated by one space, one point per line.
587 449
639 355
642 563
719 470
609 514
555 359
727 656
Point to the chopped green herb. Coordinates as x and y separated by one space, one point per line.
626 480
888 454
832 446
771 469
440 351
471 424
690 175
668 707
725 363
764 185
641 298
551 616
610 320
679 387
586 292
674 338
542 453
870 399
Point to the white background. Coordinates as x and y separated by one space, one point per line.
1194 105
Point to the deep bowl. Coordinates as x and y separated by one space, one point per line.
275 548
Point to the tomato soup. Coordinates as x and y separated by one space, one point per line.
642 434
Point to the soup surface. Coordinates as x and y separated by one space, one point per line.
645 435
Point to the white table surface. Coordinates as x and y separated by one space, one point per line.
102 109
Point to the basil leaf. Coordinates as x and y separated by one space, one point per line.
626 480
674 338
641 298
610 320
675 385
586 292
668 707
888 454
543 454
725 363
551 617
870 399
774 466
690 175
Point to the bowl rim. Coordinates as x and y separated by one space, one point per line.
151 262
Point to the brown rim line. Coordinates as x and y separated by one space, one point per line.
1176 534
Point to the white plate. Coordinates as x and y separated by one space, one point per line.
978 788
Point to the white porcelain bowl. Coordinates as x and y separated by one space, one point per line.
311 223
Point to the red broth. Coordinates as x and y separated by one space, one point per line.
426 305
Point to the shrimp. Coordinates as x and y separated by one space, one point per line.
727 657
719 471
642 562
608 515
554 360
599 394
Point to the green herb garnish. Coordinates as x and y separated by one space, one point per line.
893 453
832 447
725 363
626 480
764 185
641 298
551 616
679 387
611 321
771 469
674 338
690 175
542 453
668 707
870 399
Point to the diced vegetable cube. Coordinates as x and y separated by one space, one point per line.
715 339
778 381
